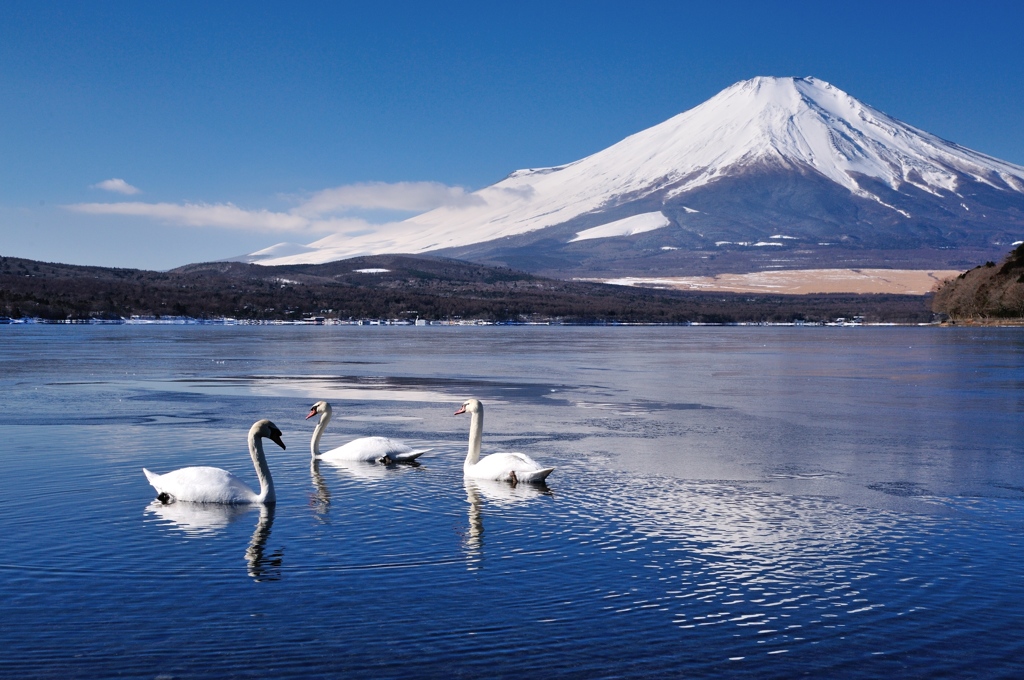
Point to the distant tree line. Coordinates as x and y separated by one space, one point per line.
410 287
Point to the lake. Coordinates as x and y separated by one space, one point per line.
738 502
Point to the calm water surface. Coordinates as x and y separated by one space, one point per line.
744 502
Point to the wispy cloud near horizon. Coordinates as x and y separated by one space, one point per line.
224 215
117 185
324 211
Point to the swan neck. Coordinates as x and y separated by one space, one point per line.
259 461
318 431
476 433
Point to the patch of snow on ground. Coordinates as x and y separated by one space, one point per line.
372 270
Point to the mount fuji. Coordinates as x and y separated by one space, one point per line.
771 173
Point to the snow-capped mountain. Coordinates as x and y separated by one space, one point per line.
769 173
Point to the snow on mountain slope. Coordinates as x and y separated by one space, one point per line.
637 224
801 124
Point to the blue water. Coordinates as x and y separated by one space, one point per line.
738 502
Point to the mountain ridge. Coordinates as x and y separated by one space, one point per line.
787 157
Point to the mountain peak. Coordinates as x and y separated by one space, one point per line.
797 126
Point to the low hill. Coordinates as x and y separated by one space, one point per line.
397 287
989 293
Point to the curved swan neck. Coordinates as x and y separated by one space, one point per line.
476 433
259 461
318 431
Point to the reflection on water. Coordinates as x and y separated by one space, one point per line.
473 542
365 470
320 499
263 567
503 493
499 495
762 503
198 520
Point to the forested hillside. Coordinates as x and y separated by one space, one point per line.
399 287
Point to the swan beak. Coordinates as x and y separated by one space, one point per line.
462 409
312 412
276 438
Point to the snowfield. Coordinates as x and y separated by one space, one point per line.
637 224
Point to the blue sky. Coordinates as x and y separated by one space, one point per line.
241 125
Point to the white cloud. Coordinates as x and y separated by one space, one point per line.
230 216
318 214
117 185
224 215
407 196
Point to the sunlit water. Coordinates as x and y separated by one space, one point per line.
758 502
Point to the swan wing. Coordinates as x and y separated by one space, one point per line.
371 449
499 466
407 456
202 484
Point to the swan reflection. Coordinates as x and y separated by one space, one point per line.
479 491
263 567
370 472
205 519
320 499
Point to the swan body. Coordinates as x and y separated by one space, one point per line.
366 449
501 467
202 484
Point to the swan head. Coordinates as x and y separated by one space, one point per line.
267 430
470 406
320 408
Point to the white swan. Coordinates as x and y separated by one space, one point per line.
501 467
367 449
213 485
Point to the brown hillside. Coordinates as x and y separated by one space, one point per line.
988 293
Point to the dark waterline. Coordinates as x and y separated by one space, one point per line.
762 502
